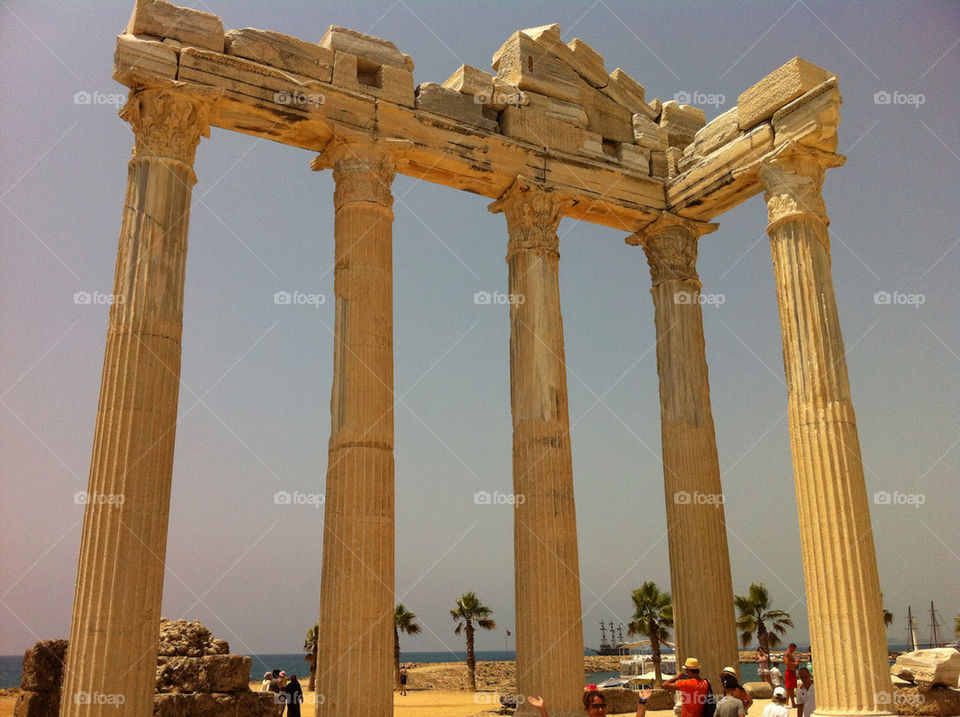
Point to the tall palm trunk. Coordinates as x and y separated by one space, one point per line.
312 682
762 636
655 649
471 659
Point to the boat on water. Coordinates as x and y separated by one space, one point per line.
637 670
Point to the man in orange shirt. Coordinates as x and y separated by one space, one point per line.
692 688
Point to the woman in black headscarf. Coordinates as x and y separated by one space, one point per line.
294 696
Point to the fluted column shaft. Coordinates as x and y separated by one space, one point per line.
700 581
355 639
839 561
112 658
549 621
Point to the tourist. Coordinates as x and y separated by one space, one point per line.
276 689
777 708
732 686
403 680
776 679
790 664
293 696
730 705
693 689
763 664
265 683
594 703
806 699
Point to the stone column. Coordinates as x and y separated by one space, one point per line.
701 586
839 561
355 640
549 621
112 658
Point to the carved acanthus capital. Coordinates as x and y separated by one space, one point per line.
533 215
167 123
670 244
792 181
363 169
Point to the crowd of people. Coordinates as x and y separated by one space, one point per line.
697 698
287 693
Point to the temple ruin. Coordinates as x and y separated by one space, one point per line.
551 134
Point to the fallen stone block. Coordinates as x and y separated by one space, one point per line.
759 690
939 666
43 666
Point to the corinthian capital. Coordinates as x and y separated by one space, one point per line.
533 215
792 181
670 244
167 123
363 169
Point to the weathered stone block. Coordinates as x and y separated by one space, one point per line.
759 690
588 63
940 666
388 82
781 86
142 55
658 164
674 155
43 666
716 133
606 117
184 638
529 65
812 118
446 102
648 134
471 81
535 124
249 704
209 673
281 51
627 92
189 26
917 700
37 704
682 122
633 158
375 50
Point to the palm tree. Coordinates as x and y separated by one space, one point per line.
755 614
310 647
403 621
887 618
653 617
469 611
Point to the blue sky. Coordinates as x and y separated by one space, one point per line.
256 376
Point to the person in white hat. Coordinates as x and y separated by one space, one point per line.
777 708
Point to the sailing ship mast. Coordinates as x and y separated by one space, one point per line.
912 631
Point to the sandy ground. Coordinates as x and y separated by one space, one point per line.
424 703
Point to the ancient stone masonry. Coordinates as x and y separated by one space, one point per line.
550 133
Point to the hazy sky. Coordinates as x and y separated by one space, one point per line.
255 391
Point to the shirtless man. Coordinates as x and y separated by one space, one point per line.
791 663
